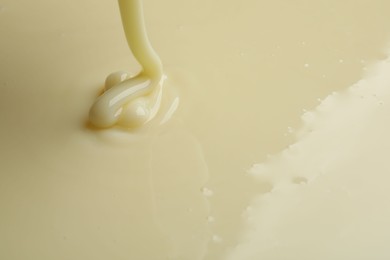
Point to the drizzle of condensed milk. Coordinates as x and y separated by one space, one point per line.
131 101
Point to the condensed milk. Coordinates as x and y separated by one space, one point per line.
228 169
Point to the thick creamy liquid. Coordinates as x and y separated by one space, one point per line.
330 203
217 180
117 105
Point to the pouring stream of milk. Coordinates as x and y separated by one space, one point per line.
131 101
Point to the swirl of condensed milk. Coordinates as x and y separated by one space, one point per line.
127 96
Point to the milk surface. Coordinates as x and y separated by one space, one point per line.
233 172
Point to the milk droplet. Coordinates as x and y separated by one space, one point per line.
248 209
210 219
207 192
216 239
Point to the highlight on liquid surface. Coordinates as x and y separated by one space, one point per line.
235 173
131 101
